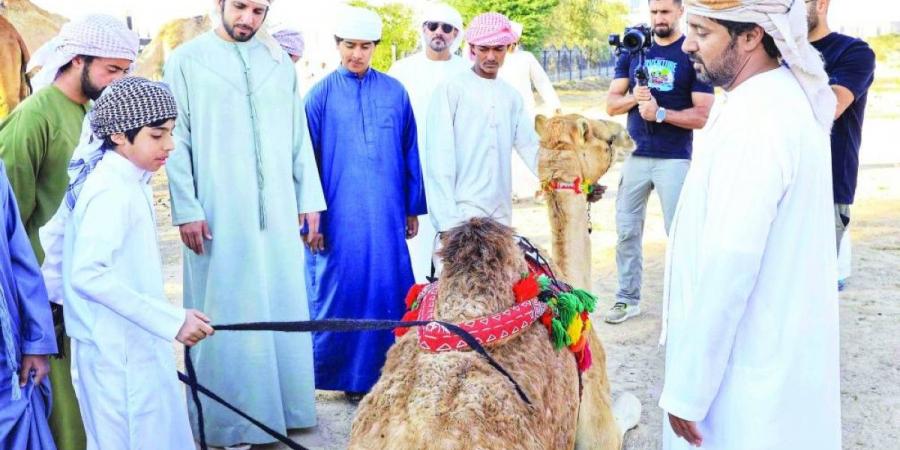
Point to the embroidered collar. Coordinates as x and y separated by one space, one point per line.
564 311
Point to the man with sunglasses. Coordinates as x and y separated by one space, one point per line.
420 74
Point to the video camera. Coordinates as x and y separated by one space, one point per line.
635 39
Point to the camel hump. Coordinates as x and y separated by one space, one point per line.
627 411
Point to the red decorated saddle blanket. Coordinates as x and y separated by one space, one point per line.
564 311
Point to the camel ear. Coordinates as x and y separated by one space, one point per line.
584 129
540 124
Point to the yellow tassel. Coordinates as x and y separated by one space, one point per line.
575 328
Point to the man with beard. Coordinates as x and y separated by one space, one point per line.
850 64
750 314
420 74
364 137
36 144
241 177
661 117
474 122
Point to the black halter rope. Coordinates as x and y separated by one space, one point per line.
340 325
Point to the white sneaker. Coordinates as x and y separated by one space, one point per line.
621 312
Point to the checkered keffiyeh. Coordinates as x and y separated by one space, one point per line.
490 29
97 35
291 41
130 103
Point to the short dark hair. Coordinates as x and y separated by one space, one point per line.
86 58
338 40
132 133
735 29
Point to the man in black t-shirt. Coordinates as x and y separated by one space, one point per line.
850 64
661 118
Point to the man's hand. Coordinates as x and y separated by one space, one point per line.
39 364
642 94
315 240
687 430
412 226
195 328
648 107
596 193
193 234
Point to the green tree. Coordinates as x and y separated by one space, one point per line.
587 24
397 30
532 14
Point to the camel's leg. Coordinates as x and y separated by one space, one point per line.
597 427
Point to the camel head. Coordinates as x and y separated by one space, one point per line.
573 146
481 262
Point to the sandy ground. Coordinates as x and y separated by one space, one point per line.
870 306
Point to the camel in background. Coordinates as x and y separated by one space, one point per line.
174 33
13 60
575 153
36 25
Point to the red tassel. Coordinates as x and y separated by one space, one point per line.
410 316
547 320
413 294
584 362
526 289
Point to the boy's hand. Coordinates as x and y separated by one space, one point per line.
195 328
40 364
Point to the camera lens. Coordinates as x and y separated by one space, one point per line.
633 40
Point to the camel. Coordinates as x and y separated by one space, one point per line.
456 400
575 153
36 25
13 60
171 35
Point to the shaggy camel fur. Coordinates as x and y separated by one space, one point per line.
13 59
574 147
455 400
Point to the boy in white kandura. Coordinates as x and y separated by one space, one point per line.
117 315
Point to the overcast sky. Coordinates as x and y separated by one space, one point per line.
311 14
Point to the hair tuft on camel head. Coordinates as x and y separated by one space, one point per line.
479 246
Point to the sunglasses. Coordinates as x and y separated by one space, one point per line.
445 27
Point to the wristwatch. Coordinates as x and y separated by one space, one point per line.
660 114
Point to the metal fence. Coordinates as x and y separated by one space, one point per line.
575 63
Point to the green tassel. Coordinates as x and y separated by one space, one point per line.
543 281
568 307
560 336
588 300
